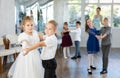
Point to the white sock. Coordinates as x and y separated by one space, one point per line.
89 60
94 58
64 52
68 51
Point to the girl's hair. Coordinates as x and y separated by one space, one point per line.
65 23
106 18
26 18
86 26
99 8
54 23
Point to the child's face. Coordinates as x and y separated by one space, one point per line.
66 26
105 22
98 10
89 22
50 29
28 27
77 25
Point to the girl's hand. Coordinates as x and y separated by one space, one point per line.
99 37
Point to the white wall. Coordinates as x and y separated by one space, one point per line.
116 37
7 17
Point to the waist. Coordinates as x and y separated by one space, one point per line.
47 56
34 50
49 59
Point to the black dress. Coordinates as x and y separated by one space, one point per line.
66 40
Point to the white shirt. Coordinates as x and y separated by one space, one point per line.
49 51
77 34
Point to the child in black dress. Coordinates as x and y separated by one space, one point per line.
66 41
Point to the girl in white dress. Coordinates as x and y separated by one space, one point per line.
29 66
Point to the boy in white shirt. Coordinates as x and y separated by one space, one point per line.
49 45
77 40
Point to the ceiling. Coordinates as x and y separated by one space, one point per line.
30 2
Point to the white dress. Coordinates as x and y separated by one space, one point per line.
29 66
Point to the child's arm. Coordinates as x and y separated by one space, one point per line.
39 44
91 32
41 36
94 34
103 36
74 31
108 32
101 20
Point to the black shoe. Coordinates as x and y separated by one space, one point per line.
89 71
103 72
93 68
75 57
78 56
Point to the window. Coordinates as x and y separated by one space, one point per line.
116 15
50 12
116 1
74 1
106 12
105 1
47 11
90 11
91 1
74 14
109 9
34 9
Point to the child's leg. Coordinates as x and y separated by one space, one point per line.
89 63
77 45
50 68
68 51
90 60
64 52
105 51
94 60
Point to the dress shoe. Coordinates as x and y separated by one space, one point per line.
93 68
78 56
89 71
103 72
75 57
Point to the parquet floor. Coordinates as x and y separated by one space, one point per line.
68 68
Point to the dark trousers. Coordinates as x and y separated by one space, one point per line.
105 52
77 47
50 68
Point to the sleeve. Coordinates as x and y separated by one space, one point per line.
80 32
72 30
108 31
91 32
21 38
49 42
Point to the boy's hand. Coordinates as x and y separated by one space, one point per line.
26 51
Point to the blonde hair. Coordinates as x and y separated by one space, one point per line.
53 22
26 18
105 18
65 24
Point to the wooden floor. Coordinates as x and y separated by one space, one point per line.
68 68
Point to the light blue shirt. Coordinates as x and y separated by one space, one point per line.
96 23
